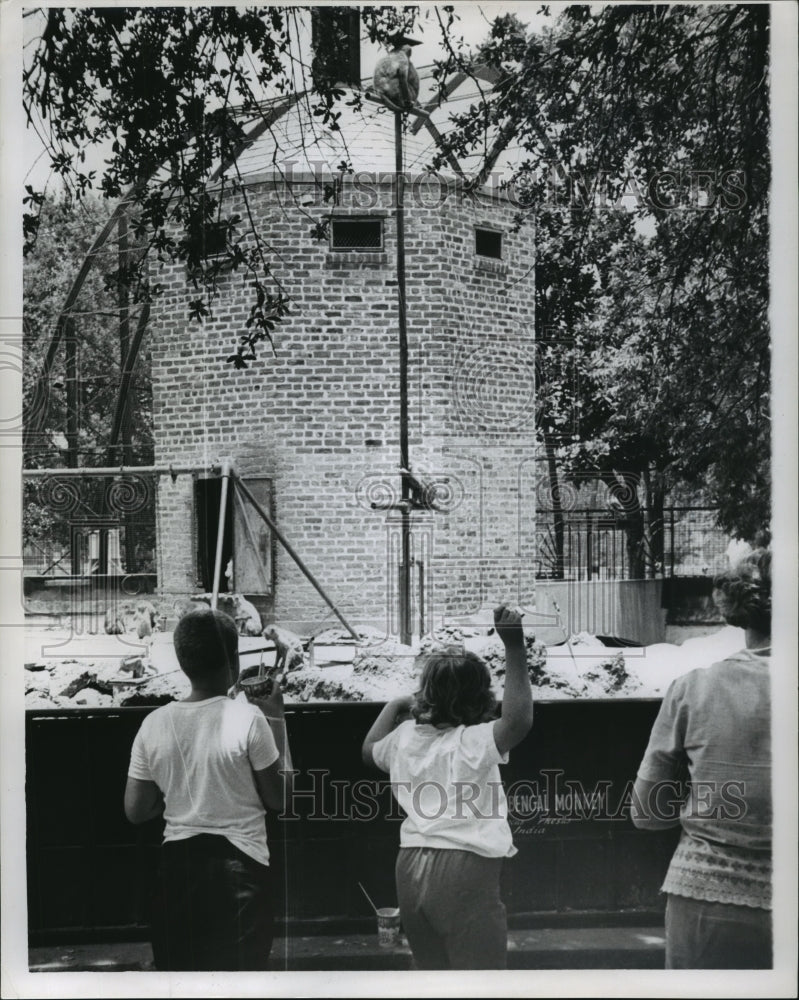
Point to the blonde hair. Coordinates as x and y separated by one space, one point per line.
455 689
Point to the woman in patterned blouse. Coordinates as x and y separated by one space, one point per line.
707 768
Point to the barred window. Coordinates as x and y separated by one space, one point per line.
356 234
488 243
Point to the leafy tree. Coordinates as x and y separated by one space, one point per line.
645 136
645 133
167 93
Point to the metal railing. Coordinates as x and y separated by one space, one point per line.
91 522
598 544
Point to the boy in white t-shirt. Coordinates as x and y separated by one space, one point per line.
212 765
444 773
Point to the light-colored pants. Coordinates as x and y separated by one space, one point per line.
704 935
450 908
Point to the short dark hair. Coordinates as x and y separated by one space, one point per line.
743 593
206 642
455 689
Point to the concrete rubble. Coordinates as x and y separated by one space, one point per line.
85 672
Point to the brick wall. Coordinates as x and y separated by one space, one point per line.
321 417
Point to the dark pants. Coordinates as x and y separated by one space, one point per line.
703 935
212 907
450 908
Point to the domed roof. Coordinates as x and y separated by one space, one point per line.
296 141
290 140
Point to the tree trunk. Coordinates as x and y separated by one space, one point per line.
636 555
655 500
126 521
631 519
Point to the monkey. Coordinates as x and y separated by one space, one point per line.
395 77
145 619
185 604
114 624
136 666
288 648
242 611
133 665
120 619
246 616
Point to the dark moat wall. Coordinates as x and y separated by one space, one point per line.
580 859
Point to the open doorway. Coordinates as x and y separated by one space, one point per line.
247 544
207 502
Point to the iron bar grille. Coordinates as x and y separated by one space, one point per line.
355 235
598 544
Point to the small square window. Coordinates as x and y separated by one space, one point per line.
215 239
356 234
488 243
212 253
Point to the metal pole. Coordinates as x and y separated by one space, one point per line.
422 599
290 549
405 558
220 533
671 532
73 392
71 378
121 409
589 548
120 470
124 347
123 302
403 332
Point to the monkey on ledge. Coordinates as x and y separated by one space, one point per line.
395 78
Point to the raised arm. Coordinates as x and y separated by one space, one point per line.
389 717
517 702
274 783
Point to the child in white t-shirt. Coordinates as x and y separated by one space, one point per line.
212 764
444 772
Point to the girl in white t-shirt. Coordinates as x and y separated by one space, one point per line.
444 772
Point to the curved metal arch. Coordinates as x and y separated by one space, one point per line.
38 407
120 410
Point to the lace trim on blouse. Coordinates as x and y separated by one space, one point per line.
720 874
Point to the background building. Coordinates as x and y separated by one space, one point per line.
314 428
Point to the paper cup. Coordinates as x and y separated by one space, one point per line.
388 926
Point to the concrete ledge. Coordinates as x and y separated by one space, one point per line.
544 948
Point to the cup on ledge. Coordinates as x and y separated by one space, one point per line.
388 926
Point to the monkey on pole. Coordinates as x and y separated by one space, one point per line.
395 78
